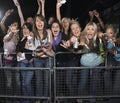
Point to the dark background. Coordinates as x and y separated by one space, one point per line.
73 8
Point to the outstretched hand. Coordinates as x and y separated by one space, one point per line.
96 13
8 12
65 44
91 14
16 2
60 3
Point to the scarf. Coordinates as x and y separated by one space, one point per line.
57 41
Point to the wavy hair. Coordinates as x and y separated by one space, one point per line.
95 29
44 28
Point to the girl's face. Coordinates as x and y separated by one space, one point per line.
30 20
25 30
55 29
110 33
39 23
90 31
13 26
65 24
76 30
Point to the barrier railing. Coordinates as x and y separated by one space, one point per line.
64 83
72 84
14 87
84 83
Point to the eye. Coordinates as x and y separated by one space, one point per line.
88 29
111 32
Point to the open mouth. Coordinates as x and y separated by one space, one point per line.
90 36
40 26
55 32
77 33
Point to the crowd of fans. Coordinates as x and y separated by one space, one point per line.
36 41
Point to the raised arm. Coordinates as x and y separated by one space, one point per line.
39 7
91 15
43 7
22 20
97 15
2 23
58 13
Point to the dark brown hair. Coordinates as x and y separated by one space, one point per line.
44 28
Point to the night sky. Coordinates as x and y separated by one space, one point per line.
73 8
29 7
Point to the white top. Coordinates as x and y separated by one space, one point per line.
39 43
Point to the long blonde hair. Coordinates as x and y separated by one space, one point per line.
96 32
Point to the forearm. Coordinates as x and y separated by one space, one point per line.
43 9
2 24
58 14
3 28
91 18
100 22
20 15
39 9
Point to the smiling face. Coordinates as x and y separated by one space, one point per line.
55 29
90 32
75 29
39 24
13 26
66 23
110 33
25 30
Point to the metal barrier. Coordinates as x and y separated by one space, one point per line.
14 87
77 84
20 84
65 84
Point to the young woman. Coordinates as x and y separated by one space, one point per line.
113 58
24 51
43 45
91 58
110 36
62 57
58 37
92 41
65 21
76 39
74 46
10 41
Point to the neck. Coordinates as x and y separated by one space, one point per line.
40 33
76 36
